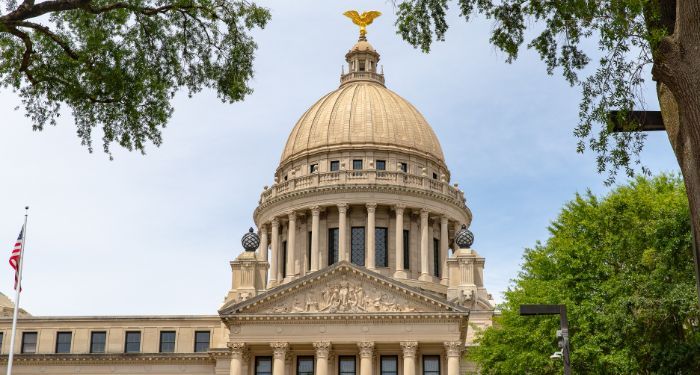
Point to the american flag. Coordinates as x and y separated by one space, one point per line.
16 255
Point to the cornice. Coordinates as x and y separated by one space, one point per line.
111 358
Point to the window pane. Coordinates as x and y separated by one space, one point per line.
381 165
357 246
335 165
97 342
29 342
404 167
389 365
63 342
167 342
263 365
201 341
406 250
346 366
305 365
308 252
357 164
313 168
431 365
2 336
284 259
133 342
332 246
380 247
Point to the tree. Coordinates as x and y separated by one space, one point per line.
118 63
629 293
630 35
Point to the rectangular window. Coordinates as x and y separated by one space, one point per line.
357 164
308 252
381 165
436 257
263 365
63 340
381 244
98 339
335 165
346 365
431 365
404 167
29 342
357 245
332 246
167 342
201 341
434 176
362 65
406 249
313 168
132 343
389 365
284 258
2 336
305 365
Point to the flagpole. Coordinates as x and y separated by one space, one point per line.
19 288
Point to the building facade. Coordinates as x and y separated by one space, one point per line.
361 265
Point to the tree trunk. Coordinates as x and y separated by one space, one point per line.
677 69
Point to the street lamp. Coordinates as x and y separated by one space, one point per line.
562 334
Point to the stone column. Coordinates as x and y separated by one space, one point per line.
237 349
262 250
424 246
400 273
366 353
291 239
454 352
342 232
444 244
275 252
315 255
323 349
409 357
279 349
370 255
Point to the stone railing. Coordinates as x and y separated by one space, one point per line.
361 177
362 76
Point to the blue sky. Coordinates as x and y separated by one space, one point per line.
154 234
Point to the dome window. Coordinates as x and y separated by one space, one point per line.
362 65
434 176
357 164
404 167
313 168
381 165
335 165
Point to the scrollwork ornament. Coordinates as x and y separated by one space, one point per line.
409 348
366 349
323 349
453 348
237 349
279 349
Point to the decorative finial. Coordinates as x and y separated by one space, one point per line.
250 240
362 20
464 238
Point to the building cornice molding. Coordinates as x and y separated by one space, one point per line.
112 358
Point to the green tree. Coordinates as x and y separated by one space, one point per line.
621 265
630 35
118 63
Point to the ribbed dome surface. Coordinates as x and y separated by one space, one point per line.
362 114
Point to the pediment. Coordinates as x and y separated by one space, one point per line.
343 288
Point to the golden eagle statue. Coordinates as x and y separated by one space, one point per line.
362 20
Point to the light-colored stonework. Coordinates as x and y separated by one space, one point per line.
361 157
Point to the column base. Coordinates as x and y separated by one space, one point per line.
425 277
289 278
443 281
400 274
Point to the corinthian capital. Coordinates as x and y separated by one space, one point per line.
323 348
237 349
453 348
279 349
409 348
366 349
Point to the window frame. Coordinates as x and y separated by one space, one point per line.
377 247
437 262
306 358
357 163
333 246
313 168
403 167
360 244
256 362
126 341
334 165
431 356
382 163
92 341
381 364
70 342
347 357
35 334
308 251
284 258
407 249
161 341
196 333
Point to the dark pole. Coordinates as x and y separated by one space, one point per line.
526 310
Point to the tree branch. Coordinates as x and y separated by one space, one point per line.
46 31
27 55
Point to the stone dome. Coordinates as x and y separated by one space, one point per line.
362 114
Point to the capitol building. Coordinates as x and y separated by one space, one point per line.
361 263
